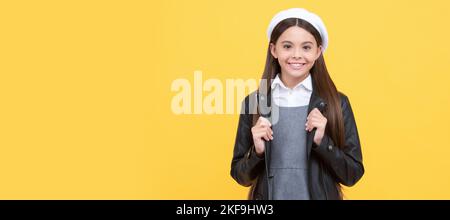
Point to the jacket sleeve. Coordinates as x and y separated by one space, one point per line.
245 165
344 162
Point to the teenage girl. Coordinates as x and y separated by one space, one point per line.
301 142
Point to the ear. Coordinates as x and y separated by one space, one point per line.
319 52
272 50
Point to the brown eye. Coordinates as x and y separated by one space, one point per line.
307 48
287 46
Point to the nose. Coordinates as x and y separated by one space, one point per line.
297 54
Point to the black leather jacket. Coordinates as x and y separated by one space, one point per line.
329 165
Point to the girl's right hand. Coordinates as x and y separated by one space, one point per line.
261 131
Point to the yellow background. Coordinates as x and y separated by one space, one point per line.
85 94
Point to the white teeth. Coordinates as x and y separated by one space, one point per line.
296 65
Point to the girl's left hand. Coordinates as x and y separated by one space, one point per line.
315 119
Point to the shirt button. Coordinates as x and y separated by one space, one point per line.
330 148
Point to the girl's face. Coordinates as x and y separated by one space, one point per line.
296 50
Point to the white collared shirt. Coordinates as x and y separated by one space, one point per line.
297 96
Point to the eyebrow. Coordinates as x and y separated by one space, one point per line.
306 42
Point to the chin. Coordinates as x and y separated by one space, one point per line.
297 74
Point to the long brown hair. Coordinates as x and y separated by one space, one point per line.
322 84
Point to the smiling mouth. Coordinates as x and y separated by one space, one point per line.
296 66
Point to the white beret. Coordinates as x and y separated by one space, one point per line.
303 14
